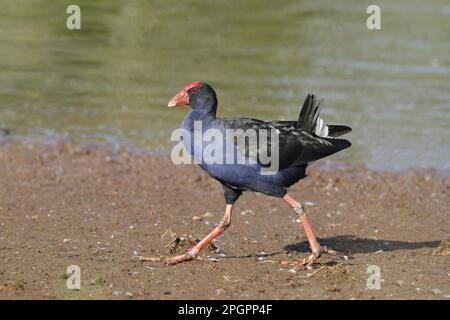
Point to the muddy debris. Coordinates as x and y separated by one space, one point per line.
443 249
337 272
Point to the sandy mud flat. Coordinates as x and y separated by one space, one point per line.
65 205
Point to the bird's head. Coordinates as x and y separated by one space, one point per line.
196 94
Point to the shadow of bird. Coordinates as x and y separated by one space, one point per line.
351 244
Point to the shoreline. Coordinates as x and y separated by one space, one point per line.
64 204
328 163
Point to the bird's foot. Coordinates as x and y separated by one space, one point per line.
316 255
312 258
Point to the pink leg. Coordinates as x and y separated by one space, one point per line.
316 249
193 251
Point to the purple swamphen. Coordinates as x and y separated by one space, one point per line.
298 143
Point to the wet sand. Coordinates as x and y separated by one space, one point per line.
64 205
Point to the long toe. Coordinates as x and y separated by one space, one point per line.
329 251
178 259
166 260
151 259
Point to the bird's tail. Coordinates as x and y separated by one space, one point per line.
310 120
336 130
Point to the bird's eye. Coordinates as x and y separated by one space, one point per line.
195 91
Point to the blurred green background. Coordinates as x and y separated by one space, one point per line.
111 80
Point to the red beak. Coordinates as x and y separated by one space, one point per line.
180 99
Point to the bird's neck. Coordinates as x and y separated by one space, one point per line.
204 115
197 121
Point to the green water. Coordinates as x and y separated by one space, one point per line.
111 80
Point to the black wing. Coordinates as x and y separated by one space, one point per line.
295 146
299 142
